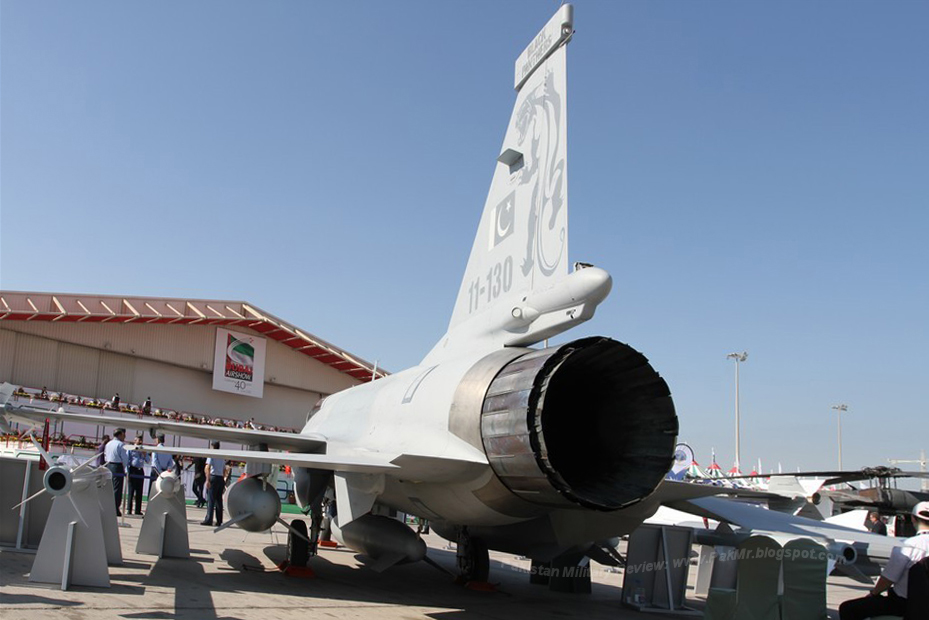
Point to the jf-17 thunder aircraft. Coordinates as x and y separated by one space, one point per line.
546 452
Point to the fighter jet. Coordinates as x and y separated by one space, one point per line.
500 441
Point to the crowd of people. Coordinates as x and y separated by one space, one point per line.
145 409
128 462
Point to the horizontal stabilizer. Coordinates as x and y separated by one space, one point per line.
358 464
763 520
670 491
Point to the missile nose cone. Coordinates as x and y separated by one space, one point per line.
57 480
167 483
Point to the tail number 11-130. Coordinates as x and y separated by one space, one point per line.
499 280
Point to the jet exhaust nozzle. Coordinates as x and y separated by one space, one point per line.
589 423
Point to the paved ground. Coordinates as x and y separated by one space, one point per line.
232 575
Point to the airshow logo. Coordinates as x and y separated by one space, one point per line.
240 359
239 363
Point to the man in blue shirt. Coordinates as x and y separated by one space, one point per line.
117 461
160 463
137 462
215 486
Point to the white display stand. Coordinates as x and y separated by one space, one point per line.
75 535
164 528
114 551
22 522
717 566
657 563
717 569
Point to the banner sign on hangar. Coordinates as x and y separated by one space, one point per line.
239 363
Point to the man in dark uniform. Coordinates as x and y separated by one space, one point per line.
137 461
199 466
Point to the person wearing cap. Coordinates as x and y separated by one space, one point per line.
895 576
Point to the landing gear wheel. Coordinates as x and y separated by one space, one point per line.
298 549
473 559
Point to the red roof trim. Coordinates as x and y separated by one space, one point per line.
87 309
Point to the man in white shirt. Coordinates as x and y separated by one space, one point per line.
895 577
117 461
215 486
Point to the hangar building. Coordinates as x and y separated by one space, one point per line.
94 346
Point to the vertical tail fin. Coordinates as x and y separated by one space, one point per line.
516 288
522 240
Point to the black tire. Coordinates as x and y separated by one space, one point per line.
481 566
473 560
298 549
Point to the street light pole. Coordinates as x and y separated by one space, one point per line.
839 409
738 357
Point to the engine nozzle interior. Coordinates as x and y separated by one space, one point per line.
588 423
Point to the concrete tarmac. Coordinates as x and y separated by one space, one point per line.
233 575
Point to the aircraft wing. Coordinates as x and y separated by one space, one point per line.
273 439
416 468
670 491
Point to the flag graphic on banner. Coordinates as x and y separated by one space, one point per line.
240 359
239 363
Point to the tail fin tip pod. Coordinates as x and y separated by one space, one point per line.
516 289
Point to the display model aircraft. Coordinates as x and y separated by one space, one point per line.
541 452
882 495
852 552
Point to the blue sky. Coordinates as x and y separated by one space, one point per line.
753 175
